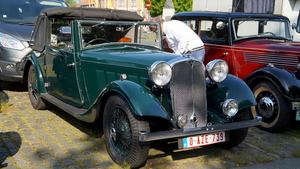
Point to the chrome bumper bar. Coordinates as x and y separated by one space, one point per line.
199 130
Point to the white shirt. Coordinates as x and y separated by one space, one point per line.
181 37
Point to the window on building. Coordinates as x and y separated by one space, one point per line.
121 2
133 3
253 6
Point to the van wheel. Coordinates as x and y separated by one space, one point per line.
121 132
36 101
271 106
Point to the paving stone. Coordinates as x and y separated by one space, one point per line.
52 139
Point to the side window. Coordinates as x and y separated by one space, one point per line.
191 24
213 31
61 34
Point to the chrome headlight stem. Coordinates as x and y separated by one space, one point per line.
217 70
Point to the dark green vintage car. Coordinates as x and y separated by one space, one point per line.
102 65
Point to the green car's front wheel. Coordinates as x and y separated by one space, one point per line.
121 131
237 136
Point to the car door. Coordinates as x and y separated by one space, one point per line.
61 76
215 36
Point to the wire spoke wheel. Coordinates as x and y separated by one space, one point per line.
122 130
33 90
121 134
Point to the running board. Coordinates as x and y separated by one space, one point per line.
62 105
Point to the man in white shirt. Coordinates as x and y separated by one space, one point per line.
181 38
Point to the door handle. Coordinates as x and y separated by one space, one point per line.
224 54
71 65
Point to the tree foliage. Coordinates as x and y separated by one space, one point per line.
182 5
71 3
179 5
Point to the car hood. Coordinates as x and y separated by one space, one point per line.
21 32
131 56
274 45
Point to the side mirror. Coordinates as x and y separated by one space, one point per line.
221 25
65 29
294 26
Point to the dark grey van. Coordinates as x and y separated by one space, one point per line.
16 25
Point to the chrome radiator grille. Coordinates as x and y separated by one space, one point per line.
188 92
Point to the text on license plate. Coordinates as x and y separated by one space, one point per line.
203 140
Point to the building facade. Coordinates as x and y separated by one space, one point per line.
128 5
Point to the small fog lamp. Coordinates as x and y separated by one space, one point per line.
230 107
182 120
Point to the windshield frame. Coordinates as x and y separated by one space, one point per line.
236 22
139 36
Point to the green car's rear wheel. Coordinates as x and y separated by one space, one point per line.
32 83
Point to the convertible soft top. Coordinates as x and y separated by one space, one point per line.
41 34
91 14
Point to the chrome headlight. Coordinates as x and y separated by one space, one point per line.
298 67
10 42
217 70
230 107
160 73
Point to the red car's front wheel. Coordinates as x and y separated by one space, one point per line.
271 106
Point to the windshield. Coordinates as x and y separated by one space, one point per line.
261 27
94 33
24 11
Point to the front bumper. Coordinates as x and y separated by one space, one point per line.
8 72
144 137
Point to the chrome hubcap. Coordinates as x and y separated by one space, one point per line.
266 107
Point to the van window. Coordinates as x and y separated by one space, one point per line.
24 11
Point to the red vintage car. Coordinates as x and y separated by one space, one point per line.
259 50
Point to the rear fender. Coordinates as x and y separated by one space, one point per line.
33 61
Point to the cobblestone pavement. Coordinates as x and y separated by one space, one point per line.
51 139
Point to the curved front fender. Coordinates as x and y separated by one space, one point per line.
140 99
231 88
286 81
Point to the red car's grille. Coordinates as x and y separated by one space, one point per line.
279 60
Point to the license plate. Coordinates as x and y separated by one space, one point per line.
298 115
202 140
